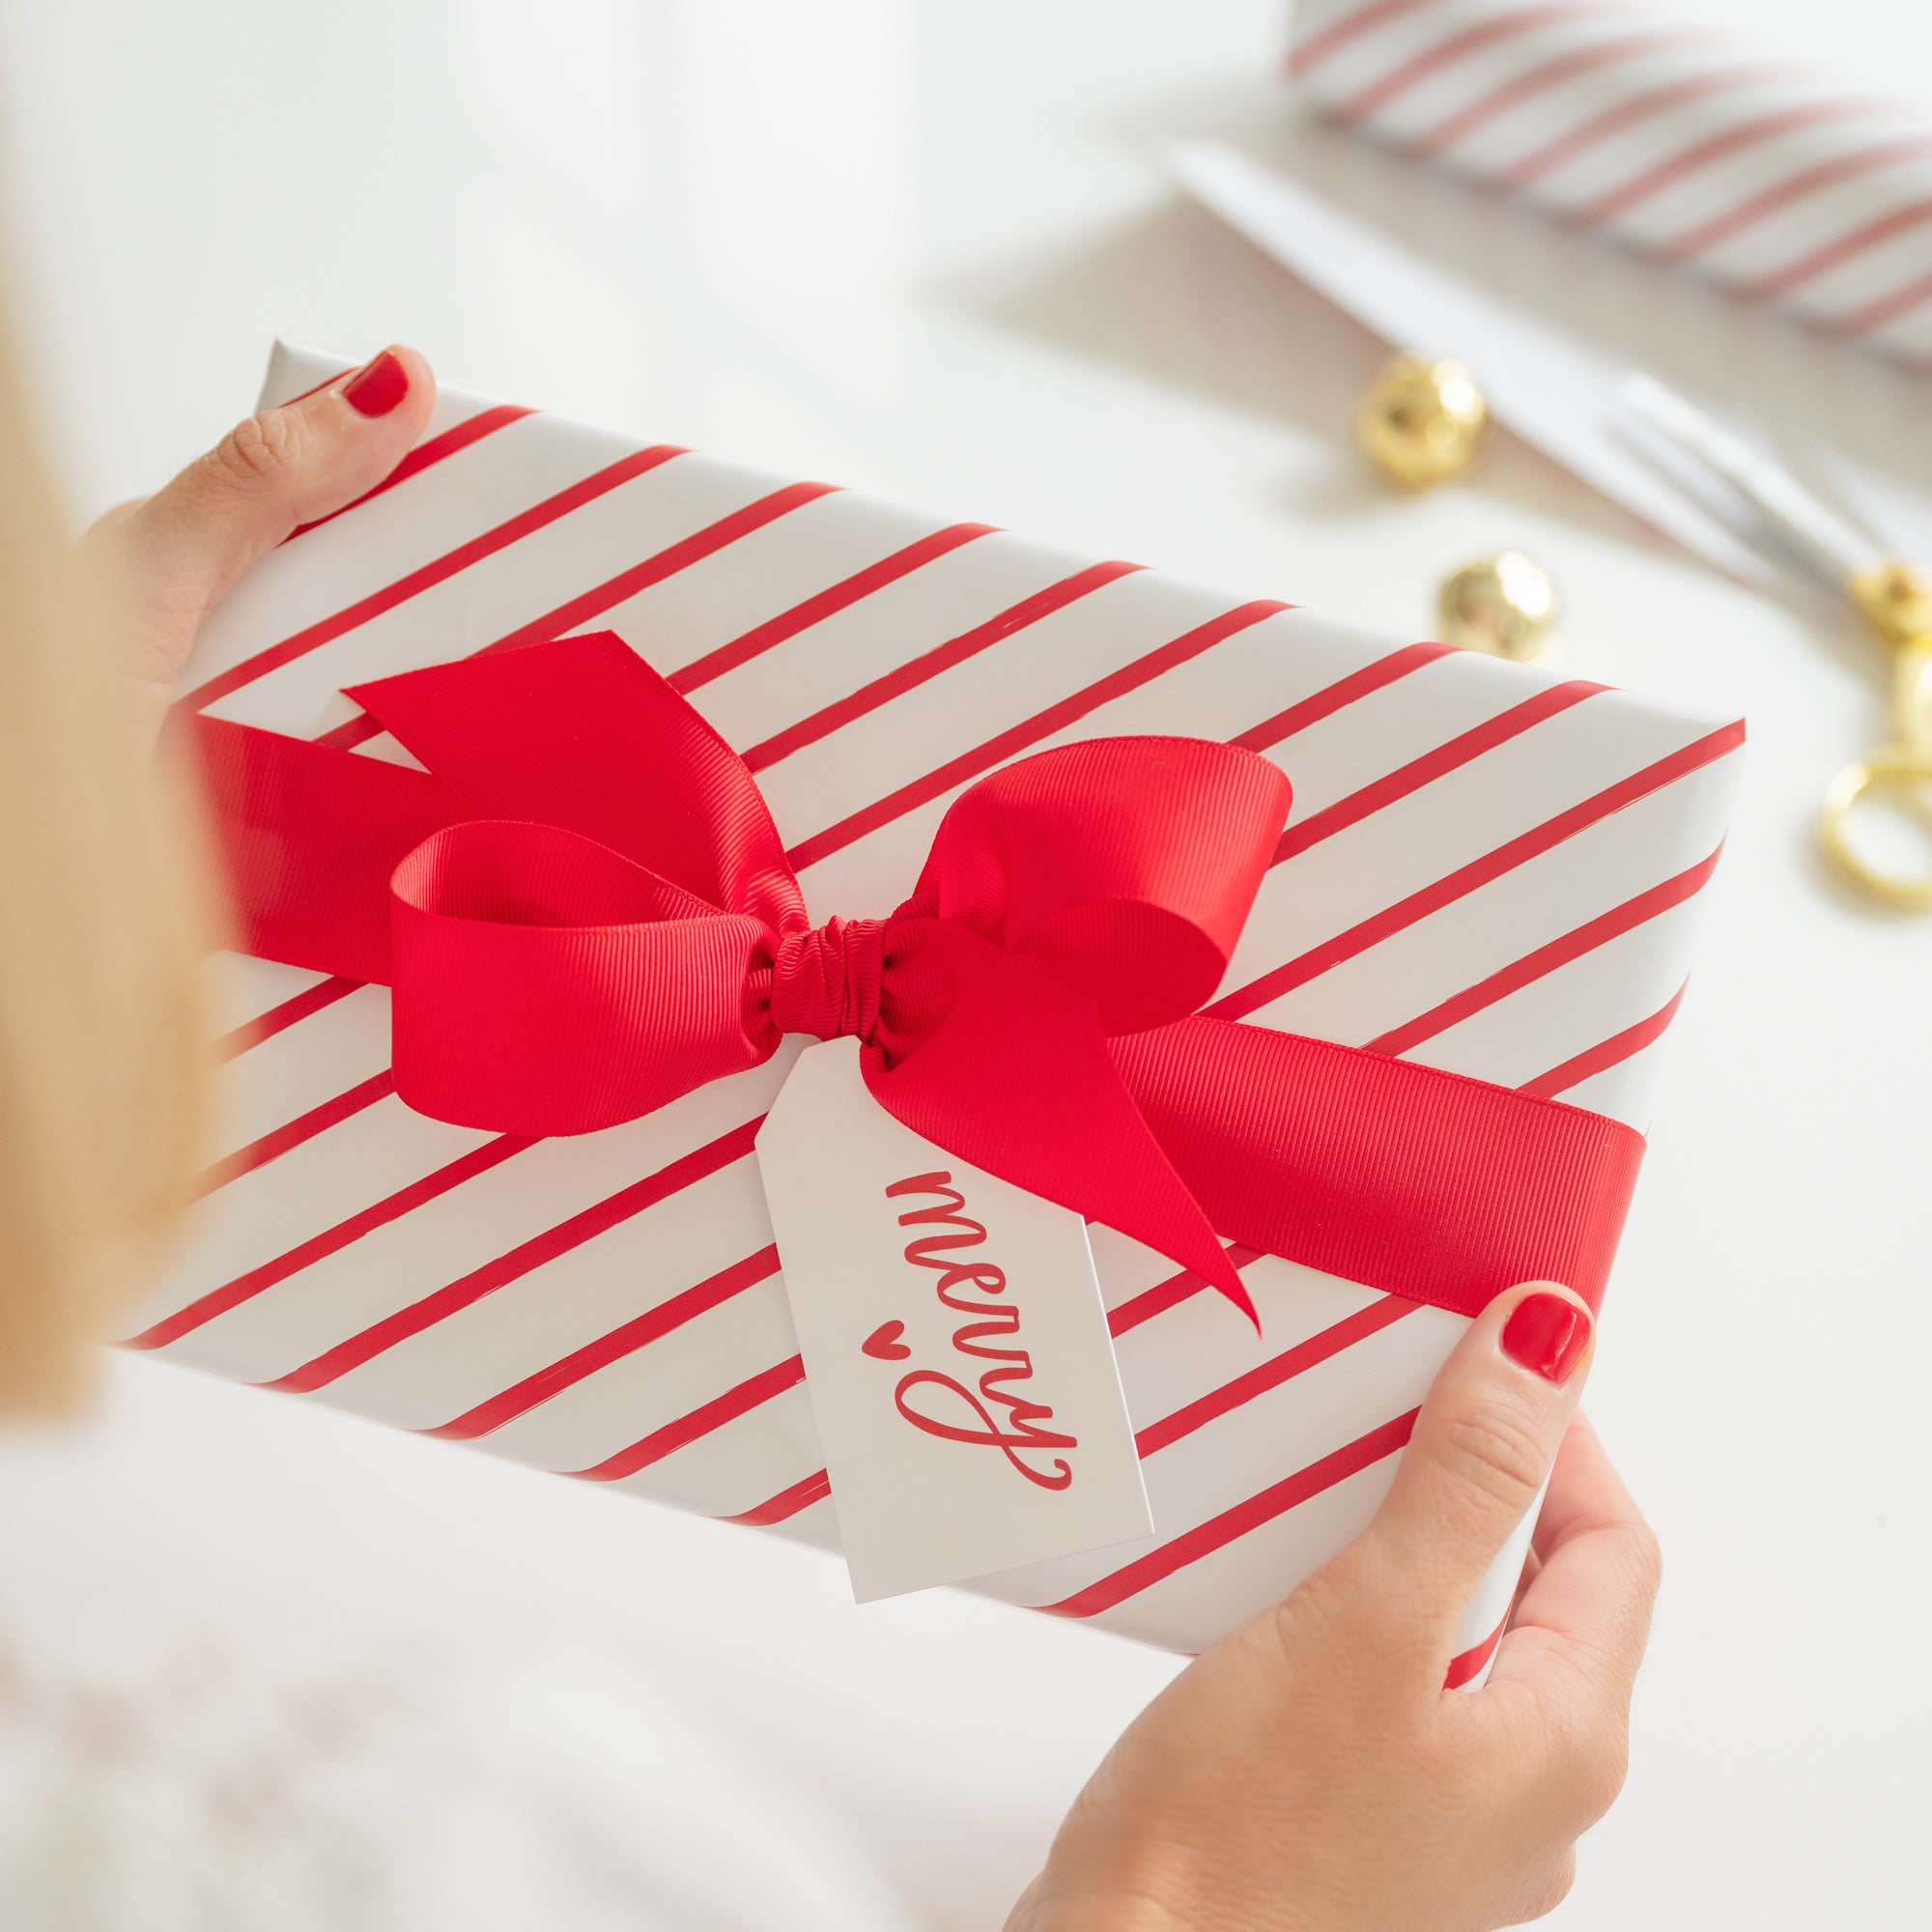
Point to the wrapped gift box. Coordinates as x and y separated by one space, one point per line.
1780 183
1485 870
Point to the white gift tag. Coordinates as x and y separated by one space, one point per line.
955 1342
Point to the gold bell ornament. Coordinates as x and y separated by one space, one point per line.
1505 604
1423 421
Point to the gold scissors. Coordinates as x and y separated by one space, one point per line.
1897 600
1894 597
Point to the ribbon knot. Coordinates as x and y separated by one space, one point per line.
825 980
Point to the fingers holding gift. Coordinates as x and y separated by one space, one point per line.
178 552
1553 1722
289 465
1583 1617
1482 1448
1311 1768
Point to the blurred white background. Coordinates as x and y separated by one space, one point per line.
927 249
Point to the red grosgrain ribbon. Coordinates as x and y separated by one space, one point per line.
584 911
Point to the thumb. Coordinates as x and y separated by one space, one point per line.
180 552
1481 1447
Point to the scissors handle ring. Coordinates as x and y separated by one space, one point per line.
1901 768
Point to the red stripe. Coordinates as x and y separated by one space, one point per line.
1333 37
532 1253
1468 1664
921 670
1545 959
1779 281
1197 1543
775 1381
292 1133
1485 109
426 455
654 569
666 562
1231 1523
814 1489
1455 753
1325 703
316 388
827 603
1620 1046
1707 235
1042 723
1466 879
1270 1375
331 1241
620 1342
1640 106
701 1421
438 570
1344 1334
277 1019
1166 1294
1886 309
1702 154
1446 54
1332 1341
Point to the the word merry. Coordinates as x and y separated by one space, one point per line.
948 1405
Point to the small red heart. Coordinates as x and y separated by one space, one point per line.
883 1343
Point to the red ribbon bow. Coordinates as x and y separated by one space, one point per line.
586 911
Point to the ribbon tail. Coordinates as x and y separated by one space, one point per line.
1421 1182
309 836
1015 1077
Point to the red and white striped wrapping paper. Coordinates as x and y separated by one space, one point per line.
1485 870
1778 180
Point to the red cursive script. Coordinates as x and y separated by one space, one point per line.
1019 1434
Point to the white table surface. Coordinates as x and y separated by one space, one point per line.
925 248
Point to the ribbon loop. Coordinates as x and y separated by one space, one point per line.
580 732
546 984
1064 858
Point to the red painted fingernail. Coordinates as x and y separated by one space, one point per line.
1546 1334
378 387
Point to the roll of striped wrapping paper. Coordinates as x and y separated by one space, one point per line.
1485 869
1777 181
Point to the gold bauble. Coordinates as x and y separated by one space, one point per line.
1505 604
1423 421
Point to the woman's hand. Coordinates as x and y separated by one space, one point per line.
176 554
1310 1772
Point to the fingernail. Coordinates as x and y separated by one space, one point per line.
1546 1334
378 387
